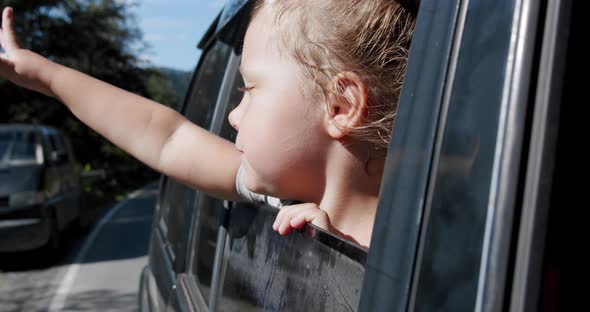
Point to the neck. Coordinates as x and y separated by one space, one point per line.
351 195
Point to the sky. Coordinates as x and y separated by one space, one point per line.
173 28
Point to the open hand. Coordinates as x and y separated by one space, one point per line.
22 67
296 216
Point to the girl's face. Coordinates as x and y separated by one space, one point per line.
281 130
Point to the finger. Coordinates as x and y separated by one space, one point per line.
284 218
298 222
319 218
303 214
285 227
283 212
8 36
297 218
275 225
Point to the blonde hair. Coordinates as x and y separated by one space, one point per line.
368 37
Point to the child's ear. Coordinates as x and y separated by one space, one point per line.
347 104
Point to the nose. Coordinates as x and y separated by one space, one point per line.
235 116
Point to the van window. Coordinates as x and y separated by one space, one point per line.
17 147
308 270
461 180
177 200
59 145
210 209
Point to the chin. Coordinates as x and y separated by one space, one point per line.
255 184
262 186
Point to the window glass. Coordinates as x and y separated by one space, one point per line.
177 203
460 195
205 89
17 146
62 147
307 270
55 143
210 209
208 221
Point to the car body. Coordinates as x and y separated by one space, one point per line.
485 165
39 187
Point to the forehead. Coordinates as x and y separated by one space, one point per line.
259 42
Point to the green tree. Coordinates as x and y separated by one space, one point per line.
97 37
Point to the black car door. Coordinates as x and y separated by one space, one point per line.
470 174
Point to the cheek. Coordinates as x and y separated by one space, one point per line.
280 143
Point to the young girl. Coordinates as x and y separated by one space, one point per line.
322 81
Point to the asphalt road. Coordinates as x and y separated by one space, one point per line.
95 271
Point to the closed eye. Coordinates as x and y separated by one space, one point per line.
245 89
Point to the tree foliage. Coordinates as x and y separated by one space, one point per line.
99 38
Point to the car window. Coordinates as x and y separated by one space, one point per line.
69 148
308 270
17 146
462 182
62 147
56 143
177 205
57 146
177 200
203 95
210 209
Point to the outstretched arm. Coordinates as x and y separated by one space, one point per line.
151 132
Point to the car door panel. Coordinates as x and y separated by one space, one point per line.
308 270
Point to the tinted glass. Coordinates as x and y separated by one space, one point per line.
227 131
17 146
177 207
307 270
61 143
177 204
449 270
210 209
55 143
205 89
208 222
